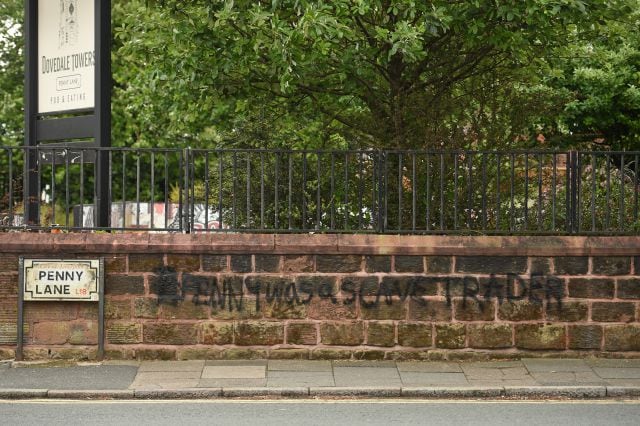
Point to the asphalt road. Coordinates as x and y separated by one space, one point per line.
378 412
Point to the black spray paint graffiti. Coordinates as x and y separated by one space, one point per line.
232 294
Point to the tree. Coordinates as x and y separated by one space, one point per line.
11 73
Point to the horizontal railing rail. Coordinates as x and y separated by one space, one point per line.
358 191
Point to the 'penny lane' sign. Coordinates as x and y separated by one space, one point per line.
53 279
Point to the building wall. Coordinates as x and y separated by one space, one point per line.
334 296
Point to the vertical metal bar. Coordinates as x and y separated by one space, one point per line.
261 190
20 319
138 189
622 194
166 190
248 190
469 189
235 189
428 193
206 190
10 152
124 186
526 191
413 191
31 174
568 198
277 173
593 192
373 160
484 191
385 179
578 222
635 188
182 185
152 195
304 190
82 190
608 194
574 189
220 188
455 191
554 172
540 159
290 187
101 311
360 189
512 164
318 199
347 210
400 176
66 187
442 191
333 190
191 194
39 185
53 187
498 189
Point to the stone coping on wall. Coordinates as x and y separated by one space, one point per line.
228 243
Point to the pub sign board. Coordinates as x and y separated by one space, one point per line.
61 280
66 55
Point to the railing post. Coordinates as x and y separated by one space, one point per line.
573 187
185 203
381 191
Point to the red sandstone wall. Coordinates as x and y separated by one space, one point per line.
333 296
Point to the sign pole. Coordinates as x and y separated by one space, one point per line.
102 108
30 191
20 322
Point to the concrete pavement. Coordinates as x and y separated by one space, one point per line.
526 378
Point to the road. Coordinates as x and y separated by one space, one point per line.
321 412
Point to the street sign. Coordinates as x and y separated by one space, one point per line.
61 280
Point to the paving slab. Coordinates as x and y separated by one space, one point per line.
248 362
617 373
366 376
613 363
234 372
495 373
363 363
297 365
541 365
165 384
567 378
305 378
151 376
493 364
503 383
151 366
233 383
433 379
429 367
77 378
623 382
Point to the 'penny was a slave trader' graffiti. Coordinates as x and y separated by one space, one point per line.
233 293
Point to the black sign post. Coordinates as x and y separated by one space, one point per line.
66 123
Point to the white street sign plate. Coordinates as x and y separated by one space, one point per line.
56 279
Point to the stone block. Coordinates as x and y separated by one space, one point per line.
302 333
283 309
474 310
155 354
450 336
241 263
380 333
622 338
596 288
348 333
409 264
124 284
585 336
359 287
313 287
369 355
492 264
58 311
571 265
297 263
413 286
165 284
8 284
169 334
115 263
197 354
184 262
184 310
123 333
520 310
326 309
214 263
540 266
247 333
567 311
51 333
385 309
330 354
629 288
117 309
145 262
414 334
377 264
8 308
430 310
611 265
439 264
9 262
267 263
145 307
243 354
216 333
83 333
540 336
289 354
338 263
489 336
613 311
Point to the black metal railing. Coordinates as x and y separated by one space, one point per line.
376 191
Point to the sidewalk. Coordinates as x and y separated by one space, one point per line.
528 378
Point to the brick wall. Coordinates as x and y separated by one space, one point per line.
329 296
